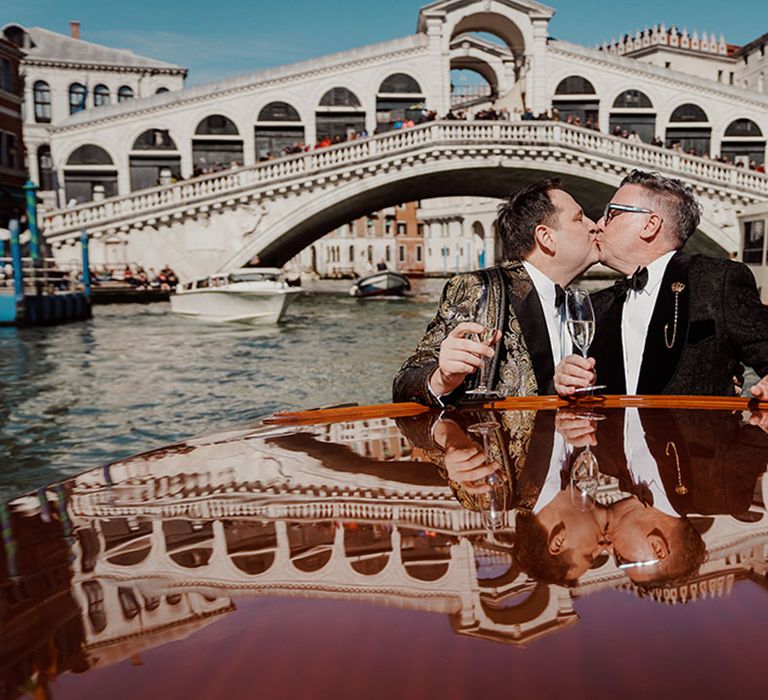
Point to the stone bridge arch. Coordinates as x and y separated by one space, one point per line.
286 233
275 209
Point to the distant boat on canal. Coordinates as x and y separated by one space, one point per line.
249 295
381 283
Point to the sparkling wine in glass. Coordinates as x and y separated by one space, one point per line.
492 502
580 320
486 338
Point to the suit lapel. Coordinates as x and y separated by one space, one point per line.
607 348
661 355
527 307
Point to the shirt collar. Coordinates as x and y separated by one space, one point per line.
656 271
544 286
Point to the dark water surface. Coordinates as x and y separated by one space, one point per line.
136 377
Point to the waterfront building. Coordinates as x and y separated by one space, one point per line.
393 237
65 75
698 98
11 142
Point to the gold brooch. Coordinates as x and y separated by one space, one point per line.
677 288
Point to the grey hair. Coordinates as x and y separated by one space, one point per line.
683 204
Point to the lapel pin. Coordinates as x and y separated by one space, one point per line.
677 288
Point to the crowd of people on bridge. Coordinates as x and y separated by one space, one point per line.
486 113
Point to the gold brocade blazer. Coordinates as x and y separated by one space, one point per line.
523 365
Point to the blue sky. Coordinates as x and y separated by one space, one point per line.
217 39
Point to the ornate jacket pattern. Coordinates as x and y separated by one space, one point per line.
459 302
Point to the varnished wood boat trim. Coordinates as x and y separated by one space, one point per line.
402 410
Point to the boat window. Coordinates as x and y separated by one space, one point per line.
253 276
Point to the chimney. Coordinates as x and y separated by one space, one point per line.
74 29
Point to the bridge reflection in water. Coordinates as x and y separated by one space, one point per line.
121 560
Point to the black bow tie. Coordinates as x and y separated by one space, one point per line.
559 296
636 282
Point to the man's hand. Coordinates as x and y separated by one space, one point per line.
459 357
577 429
465 460
760 390
573 372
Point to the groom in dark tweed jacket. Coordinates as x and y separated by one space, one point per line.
678 323
548 241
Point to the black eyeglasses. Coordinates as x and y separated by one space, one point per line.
613 209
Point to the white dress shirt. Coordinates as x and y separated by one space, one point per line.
559 341
642 466
561 451
638 309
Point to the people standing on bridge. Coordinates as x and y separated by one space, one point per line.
548 241
678 323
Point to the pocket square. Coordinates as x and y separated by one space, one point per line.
699 331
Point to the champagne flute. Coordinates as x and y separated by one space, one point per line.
485 337
580 319
584 480
492 501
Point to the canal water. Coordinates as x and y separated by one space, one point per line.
135 377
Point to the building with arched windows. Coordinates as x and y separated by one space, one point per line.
664 88
64 75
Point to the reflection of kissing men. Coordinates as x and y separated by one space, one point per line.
670 463
555 541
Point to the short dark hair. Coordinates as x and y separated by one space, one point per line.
524 210
683 204
533 555
679 569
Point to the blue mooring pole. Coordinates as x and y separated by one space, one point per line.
30 193
86 263
18 272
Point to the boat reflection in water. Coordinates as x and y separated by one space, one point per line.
300 557
249 295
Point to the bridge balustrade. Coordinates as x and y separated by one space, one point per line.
149 203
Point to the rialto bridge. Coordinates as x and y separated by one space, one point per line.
690 91
277 208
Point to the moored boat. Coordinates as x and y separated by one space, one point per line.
381 283
248 295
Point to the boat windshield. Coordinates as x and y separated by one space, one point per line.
254 276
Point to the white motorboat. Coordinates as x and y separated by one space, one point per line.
248 295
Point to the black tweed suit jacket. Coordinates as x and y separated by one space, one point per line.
721 323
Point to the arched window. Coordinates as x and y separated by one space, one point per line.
77 96
279 112
217 144
575 85
87 167
398 83
161 90
41 93
275 139
89 154
154 140
100 95
632 99
216 125
743 127
689 113
398 101
124 93
44 168
153 152
339 97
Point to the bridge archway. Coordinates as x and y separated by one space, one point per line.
492 23
301 226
